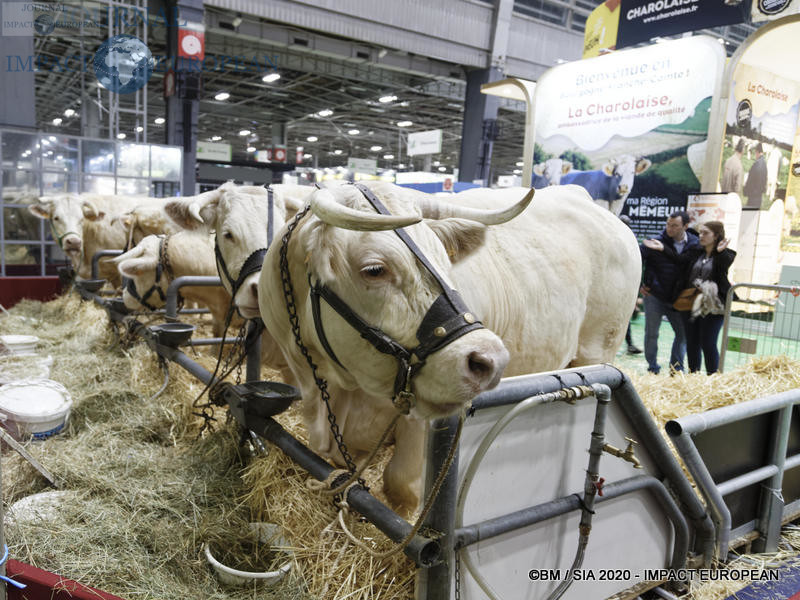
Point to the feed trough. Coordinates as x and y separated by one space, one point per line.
90 285
173 334
265 398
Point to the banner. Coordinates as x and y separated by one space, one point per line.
642 20
768 10
761 124
631 127
600 31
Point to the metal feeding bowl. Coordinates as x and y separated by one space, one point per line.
266 398
173 334
90 285
117 305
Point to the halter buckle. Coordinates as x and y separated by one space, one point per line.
405 399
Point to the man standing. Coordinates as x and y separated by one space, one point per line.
733 172
658 289
756 183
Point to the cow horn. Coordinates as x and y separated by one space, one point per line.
325 207
435 209
194 210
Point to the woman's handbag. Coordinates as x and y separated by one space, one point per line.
686 298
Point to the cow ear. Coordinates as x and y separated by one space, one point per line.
187 212
538 169
126 220
90 211
460 237
43 210
642 165
566 167
608 168
136 266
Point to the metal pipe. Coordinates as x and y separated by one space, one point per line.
471 534
171 306
423 551
96 259
771 513
650 437
792 462
438 579
211 341
515 389
750 478
720 514
692 424
662 593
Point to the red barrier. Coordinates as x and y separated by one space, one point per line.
14 289
44 585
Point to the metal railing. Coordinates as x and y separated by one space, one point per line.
765 327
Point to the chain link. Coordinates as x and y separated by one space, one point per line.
457 561
291 309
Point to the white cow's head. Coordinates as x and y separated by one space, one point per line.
144 220
65 213
348 247
621 172
552 169
239 215
141 266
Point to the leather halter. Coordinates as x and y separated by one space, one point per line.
447 319
253 262
161 266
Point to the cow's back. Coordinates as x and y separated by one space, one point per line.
558 283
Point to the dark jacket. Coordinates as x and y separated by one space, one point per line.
721 262
660 272
756 183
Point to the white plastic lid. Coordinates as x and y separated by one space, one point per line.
34 399
19 340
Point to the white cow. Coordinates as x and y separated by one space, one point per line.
184 254
549 172
611 185
557 284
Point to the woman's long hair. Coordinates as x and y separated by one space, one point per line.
718 229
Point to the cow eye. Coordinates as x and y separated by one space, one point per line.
56 218
373 271
228 235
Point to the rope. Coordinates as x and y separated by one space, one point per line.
437 486
18 584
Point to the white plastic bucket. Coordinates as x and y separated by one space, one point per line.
34 408
20 345
266 533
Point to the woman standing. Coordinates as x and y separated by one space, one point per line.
706 269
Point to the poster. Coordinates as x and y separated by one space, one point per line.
726 208
769 10
631 127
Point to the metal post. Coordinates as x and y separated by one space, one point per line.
171 306
253 343
769 523
435 583
96 259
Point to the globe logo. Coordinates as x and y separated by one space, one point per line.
44 24
123 64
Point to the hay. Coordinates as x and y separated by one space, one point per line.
151 493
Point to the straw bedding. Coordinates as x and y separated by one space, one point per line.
151 490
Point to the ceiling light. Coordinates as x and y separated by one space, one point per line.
442 169
404 123
216 138
311 138
57 121
353 132
121 136
376 148
401 166
385 99
325 113
337 152
139 129
44 143
251 148
388 156
52 138
436 163
244 132
159 121
517 171
307 155
69 112
222 96
271 77
519 164
237 21
60 157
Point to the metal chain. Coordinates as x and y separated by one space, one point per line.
291 309
457 586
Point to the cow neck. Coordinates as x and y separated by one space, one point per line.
447 319
253 262
162 265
